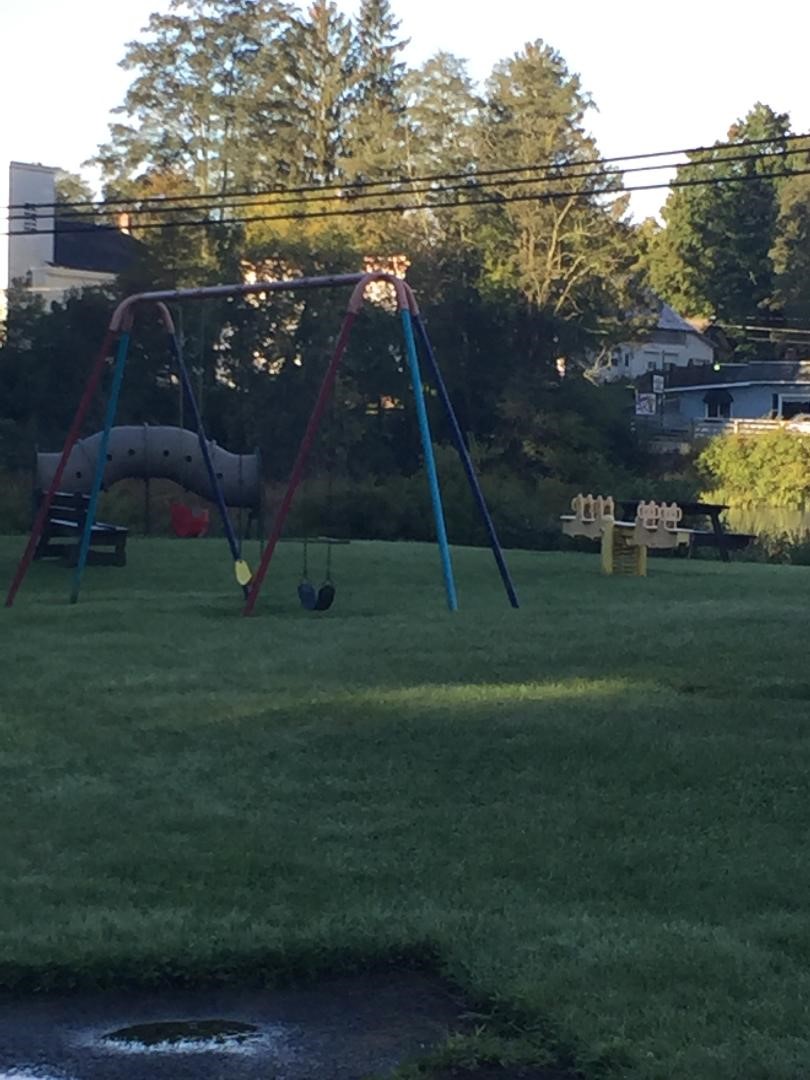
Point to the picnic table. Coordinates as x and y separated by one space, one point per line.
714 536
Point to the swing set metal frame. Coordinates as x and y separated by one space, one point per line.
117 340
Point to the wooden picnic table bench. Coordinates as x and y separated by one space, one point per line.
715 536
63 530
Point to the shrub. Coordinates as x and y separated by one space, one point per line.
772 469
785 548
15 501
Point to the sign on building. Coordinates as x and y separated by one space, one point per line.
645 405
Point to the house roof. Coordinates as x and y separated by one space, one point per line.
99 248
669 319
757 373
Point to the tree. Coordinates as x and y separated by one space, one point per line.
375 130
72 189
790 253
198 77
317 75
713 257
46 359
442 109
571 254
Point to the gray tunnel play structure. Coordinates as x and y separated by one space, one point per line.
169 453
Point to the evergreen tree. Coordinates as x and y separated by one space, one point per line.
442 109
713 257
569 255
790 253
317 77
197 77
375 135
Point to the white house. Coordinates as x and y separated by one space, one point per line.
673 343
52 255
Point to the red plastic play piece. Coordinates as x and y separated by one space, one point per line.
188 522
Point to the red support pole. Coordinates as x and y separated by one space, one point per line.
42 513
302 455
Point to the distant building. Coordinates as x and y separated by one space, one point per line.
54 254
760 390
673 343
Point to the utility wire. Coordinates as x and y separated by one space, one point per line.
767 329
470 188
503 200
342 186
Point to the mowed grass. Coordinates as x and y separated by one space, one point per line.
594 810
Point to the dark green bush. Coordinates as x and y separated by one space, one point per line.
525 509
771 469
15 501
786 548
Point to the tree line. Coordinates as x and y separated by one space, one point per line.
257 138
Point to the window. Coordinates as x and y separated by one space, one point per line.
793 406
718 405
718 410
627 359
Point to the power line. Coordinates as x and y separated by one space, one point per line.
343 186
469 187
547 196
767 329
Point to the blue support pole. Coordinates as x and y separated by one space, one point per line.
466 461
430 462
205 450
101 462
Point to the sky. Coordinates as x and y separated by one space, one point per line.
663 76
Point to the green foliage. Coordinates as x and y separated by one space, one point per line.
376 127
714 256
317 85
44 363
791 249
72 188
15 500
442 107
772 469
200 72
570 257
785 548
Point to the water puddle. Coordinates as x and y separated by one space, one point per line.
345 1029
212 1032
189 1037
28 1074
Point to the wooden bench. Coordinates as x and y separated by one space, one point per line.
715 537
61 537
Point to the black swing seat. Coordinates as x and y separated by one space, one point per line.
322 598
316 600
326 594
308 596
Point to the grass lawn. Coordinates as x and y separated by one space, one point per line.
594 810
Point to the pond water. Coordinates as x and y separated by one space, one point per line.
769 520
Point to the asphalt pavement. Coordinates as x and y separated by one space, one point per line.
343 1029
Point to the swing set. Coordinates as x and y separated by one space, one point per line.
117 340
